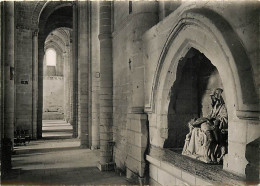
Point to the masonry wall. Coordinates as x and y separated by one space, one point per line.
53 94
23 81
23 65
121 82
129 121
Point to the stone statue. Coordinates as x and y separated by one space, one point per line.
207 137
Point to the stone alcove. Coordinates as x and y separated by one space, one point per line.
190 95
192 30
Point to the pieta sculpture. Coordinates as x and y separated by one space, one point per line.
207 137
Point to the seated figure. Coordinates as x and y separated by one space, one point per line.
207 137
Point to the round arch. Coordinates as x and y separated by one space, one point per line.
54 45
45 28
43 9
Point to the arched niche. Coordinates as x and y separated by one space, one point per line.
200 32
211 35
214 36
189 96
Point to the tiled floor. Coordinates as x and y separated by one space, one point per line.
51 161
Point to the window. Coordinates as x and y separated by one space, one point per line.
51 57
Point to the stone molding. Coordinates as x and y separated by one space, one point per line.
137 110
24 27
104 36
53 77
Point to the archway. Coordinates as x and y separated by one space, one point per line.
57 85
53 18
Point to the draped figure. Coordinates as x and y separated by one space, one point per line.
207 137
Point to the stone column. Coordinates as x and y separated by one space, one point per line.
1 73
71 84
41 59
65 79
9 70
35 83
106 88
75 70
83 78
94 75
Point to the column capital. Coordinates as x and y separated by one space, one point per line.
35 32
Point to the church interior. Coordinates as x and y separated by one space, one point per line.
130 92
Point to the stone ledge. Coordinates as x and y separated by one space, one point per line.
137 116
106 167
189 168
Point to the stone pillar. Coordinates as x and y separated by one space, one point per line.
75 70
35 83
65 79
144 16
162 10
106 88
71 84
95 76
1 74
59 65
9 70
83 78
41 58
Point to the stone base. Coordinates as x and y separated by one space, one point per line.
171 168
93 147
135 179
106 167
84 146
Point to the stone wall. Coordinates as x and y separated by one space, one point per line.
121 93
23 83
53 96
129 122
24 66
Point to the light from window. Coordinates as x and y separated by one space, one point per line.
51 57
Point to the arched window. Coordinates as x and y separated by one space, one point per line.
51 57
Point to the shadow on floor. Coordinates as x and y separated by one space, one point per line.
56 137
57 176
43 150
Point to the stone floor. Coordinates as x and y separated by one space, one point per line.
57 159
